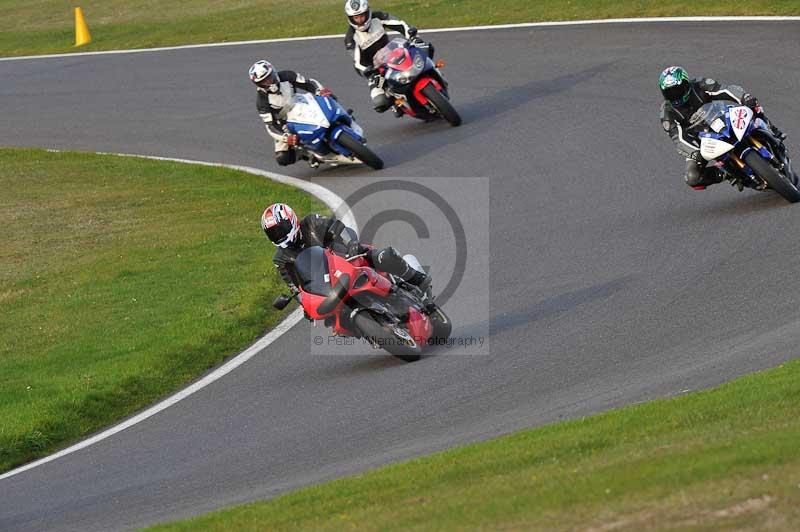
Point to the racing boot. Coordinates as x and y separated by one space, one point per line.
423 282
780 135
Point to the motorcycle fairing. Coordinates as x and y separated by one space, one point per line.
312 271
310 118
739 119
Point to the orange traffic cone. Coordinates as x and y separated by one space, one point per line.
82 35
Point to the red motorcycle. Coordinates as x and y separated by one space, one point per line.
415 82
354 299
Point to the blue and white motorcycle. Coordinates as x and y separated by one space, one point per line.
740 144
326 132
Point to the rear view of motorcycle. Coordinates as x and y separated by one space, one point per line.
739 143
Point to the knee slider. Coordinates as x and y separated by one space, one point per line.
381 103
285 158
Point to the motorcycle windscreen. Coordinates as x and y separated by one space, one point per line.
304 109
381 57
708 113
311 266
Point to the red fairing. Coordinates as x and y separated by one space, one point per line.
419 326
338 266
400 60
421 84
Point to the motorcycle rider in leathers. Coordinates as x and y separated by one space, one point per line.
684 96
366 36
291 236
275 90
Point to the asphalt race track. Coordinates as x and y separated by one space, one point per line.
611 281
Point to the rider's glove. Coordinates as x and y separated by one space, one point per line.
355 248
695 156
376 81
292 140
412 31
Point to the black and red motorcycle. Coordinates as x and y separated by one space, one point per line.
414 81
354 299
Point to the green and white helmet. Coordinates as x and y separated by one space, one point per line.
675 85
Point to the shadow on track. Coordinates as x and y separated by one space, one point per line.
492 106
547 308
738 206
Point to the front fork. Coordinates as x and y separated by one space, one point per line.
743 175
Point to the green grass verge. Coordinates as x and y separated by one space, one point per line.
47 26
121 279
726 458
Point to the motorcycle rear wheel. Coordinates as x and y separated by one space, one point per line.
361 151
773 177
372 329
442 104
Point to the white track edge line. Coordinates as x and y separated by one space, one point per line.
323 194
642 20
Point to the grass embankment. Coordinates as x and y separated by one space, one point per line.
120 280
727 458
47 26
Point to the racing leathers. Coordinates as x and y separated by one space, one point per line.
676 119
318 230
365 44
270 104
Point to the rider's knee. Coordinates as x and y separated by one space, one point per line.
381 102
285 158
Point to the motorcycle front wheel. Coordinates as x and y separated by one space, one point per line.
386 336
773 177
361 151
442 104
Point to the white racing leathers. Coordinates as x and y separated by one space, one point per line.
365 44
269 106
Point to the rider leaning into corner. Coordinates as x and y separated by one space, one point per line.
291 236
683 96
366 35
275 91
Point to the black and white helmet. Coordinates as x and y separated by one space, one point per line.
263 74
353 8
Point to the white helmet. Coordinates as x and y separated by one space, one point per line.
263 74
358 7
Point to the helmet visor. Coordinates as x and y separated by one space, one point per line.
361 19
677 93
279 232
269 82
